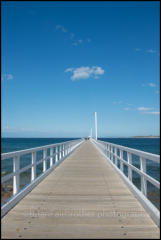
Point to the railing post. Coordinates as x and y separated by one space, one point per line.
113 157
111 149
104 148
108 149
56 154
109 152
44 159
116 156
60 152
129 168
143 180
33 168
51 156
66 149
63 150
121 163
16 177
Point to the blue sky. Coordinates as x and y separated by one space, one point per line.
62 61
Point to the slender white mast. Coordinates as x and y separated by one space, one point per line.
96 124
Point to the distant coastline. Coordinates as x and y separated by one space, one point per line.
133 137
145 137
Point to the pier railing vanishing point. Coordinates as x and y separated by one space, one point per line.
58 152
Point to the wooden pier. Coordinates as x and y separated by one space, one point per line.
83 197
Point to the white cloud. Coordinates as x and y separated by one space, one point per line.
149 84
153 113
152 84
85 72
98 70
63 29
150 51
7 76
76 42
146 111
126 108
71 35
143 109
69 70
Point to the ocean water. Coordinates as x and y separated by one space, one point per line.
16 144
151 145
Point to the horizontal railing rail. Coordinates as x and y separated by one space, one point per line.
149 156
110 151
58 152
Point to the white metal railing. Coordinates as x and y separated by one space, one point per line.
110 151
62 150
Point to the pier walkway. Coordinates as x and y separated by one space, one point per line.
83 197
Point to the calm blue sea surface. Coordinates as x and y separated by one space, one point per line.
151 145
16 144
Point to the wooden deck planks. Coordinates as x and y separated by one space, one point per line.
82 198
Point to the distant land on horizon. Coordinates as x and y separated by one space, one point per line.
135 137
146 137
